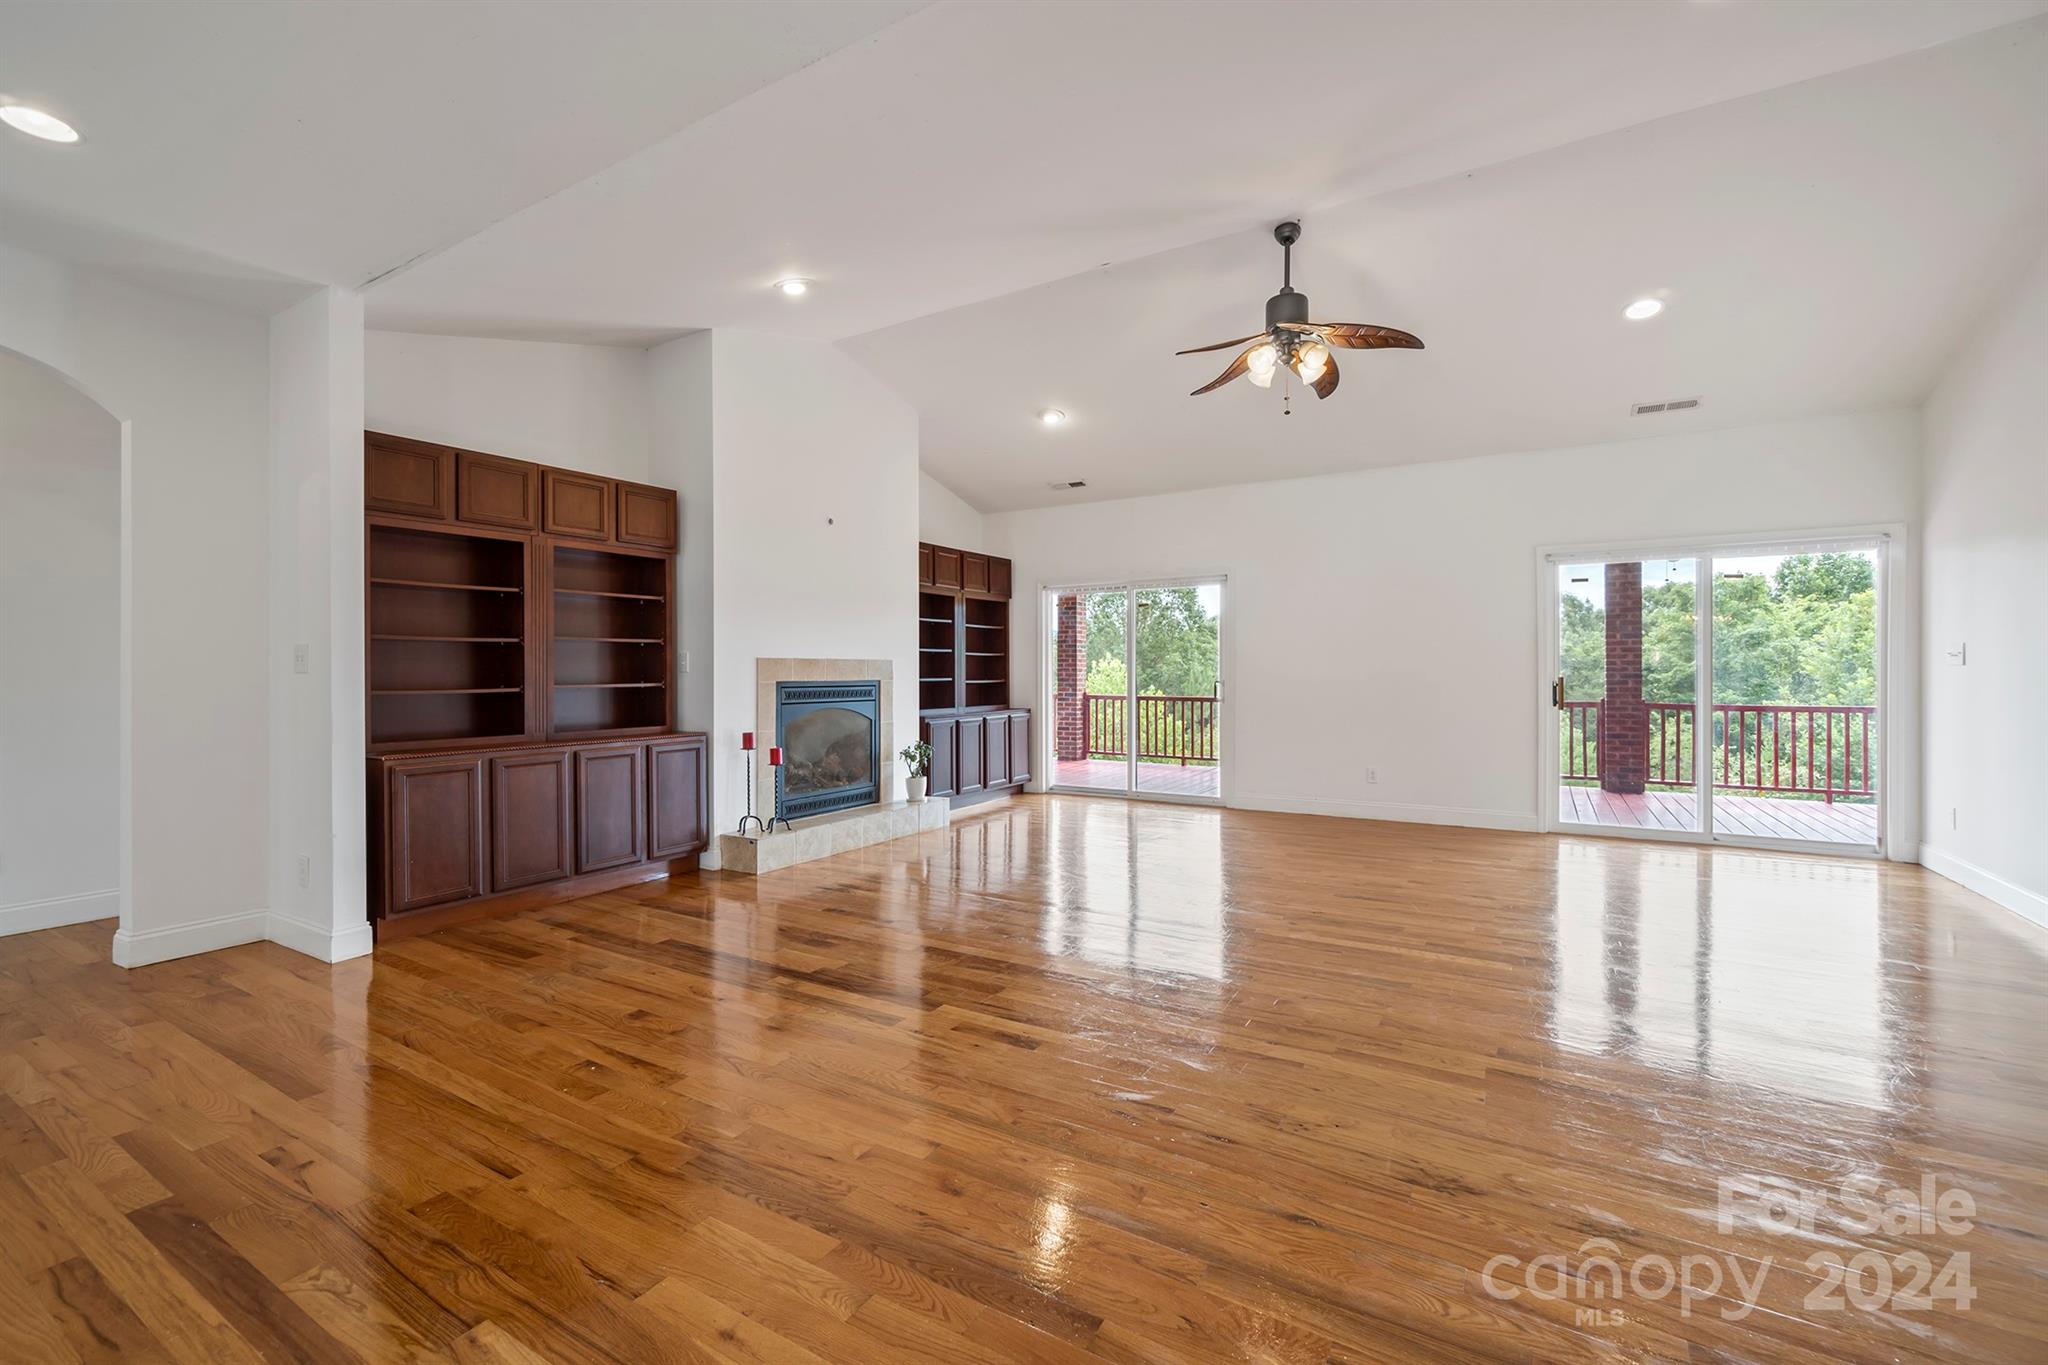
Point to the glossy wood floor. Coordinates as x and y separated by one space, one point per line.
1075 1080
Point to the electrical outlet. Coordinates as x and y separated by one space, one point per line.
305 870
1372 776
301 657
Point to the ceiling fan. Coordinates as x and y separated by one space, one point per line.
1292 342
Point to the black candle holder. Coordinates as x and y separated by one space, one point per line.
750 817
778 818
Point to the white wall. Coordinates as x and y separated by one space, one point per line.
815 508
1986 580
1408 596
60 652
582 407
190 384
317 776
946 518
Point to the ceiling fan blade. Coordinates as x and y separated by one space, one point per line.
1221 345
1237 367
1364 336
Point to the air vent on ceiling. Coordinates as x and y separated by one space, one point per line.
1064 484
1668 405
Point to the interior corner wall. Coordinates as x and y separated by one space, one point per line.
946 518
1401 602
317 876
190 386
808 466
679 426
581 407
60 652
1985 594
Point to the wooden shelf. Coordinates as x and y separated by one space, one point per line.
935 620
452 639
442 691
620 596
613 639
513 589
612 684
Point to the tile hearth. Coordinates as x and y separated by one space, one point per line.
821 836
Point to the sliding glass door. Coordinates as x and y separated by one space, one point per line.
1136 689
1754 720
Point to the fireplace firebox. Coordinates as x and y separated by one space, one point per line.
831 740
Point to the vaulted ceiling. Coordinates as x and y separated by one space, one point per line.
1009 206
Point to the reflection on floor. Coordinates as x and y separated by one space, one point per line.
1756 817
1070 1080
1110 774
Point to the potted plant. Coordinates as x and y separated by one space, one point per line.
918 758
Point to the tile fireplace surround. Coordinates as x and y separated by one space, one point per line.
823 835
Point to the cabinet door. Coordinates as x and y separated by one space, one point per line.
1020 747
945 568
995 766
676 801
944 737
974 573
611 826
968 757
436 833
494 492
576 505
411 478
532 836
924 566
999 578
647 516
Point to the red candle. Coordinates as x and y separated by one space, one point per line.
775 758
747 740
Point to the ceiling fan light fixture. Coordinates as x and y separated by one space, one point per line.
1262 360
1310 362
1261 378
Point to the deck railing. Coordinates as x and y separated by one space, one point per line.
1819 751
1170 729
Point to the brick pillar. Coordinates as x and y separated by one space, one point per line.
1070 679
1624 720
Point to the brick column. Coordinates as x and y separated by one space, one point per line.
1070 679
1624 720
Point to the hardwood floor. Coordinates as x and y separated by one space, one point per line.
1074 1080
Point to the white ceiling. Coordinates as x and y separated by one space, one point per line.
1823 248
254 147
1062 195
977 149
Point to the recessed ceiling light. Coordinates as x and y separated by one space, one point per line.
1643 308
794 287
1052 417
36 123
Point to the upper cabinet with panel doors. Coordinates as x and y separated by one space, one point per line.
941 568
404 477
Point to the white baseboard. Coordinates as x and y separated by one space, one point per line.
183 940
1390 810
27 916
2026 904
316 941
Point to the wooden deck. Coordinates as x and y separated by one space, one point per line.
1756 817
1157 779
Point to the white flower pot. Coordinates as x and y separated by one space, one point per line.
913 787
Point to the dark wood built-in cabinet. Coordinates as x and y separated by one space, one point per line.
981 746
521 684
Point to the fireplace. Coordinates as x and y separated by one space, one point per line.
831 738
